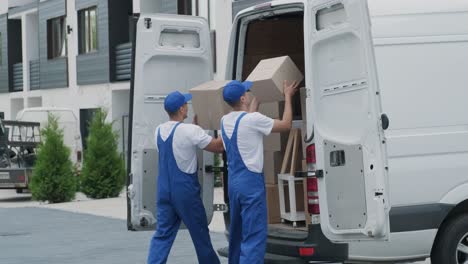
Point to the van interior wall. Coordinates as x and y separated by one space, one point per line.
274 37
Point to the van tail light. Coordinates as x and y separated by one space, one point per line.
312 196
312 183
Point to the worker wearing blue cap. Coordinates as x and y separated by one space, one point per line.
242 133
178 190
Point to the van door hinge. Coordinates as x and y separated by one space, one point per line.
319 173
220 208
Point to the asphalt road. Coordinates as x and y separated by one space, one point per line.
49 236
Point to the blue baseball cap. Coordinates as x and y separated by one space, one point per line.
233 91
175 100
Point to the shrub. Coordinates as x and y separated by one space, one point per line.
52 178
103 173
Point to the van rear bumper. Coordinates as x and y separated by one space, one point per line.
282 250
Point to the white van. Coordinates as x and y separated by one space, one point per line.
67 121
399 194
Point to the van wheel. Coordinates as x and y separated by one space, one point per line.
452 245
19 190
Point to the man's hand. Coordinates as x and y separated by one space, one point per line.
290 89
286 123
253 104
195 120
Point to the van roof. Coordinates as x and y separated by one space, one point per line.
399 7
43 109
46 109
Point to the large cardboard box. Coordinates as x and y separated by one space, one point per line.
268 78
273 210
275 141
273 110
272 161
209 105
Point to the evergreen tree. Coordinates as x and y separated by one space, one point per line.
103 173
52 178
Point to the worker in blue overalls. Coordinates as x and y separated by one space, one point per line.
242 133
178 190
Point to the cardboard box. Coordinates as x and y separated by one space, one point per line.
268 78
272 161
299 196
275 141
273 110
304 165
209 105
273 210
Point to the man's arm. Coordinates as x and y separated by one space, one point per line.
285 124
215 146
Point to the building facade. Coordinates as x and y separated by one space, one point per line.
77 53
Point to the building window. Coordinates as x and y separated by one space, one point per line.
87 29
56 38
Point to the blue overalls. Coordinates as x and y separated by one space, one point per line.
247 204
178 199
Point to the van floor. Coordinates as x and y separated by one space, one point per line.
288 226
287 231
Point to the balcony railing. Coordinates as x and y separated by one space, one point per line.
18 77
123 62
34 75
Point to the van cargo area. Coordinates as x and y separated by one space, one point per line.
265 38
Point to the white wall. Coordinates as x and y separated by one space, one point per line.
120 107
221 14
16 106
3 7
33 36
5 105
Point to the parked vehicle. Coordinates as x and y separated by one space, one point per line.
18 149
386 104
67 121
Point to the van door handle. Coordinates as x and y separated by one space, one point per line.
385 121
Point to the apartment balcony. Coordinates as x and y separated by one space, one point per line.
123 62
17 77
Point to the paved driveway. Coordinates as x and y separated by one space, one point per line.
49 236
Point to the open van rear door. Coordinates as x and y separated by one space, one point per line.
171 53
344 102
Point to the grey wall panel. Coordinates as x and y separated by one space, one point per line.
19 9
55 76
119 29
4 79
53 73
239 5
93 68
34 75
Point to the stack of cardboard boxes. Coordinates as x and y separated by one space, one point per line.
268 79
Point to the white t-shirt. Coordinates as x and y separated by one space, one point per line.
252 128
187 138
